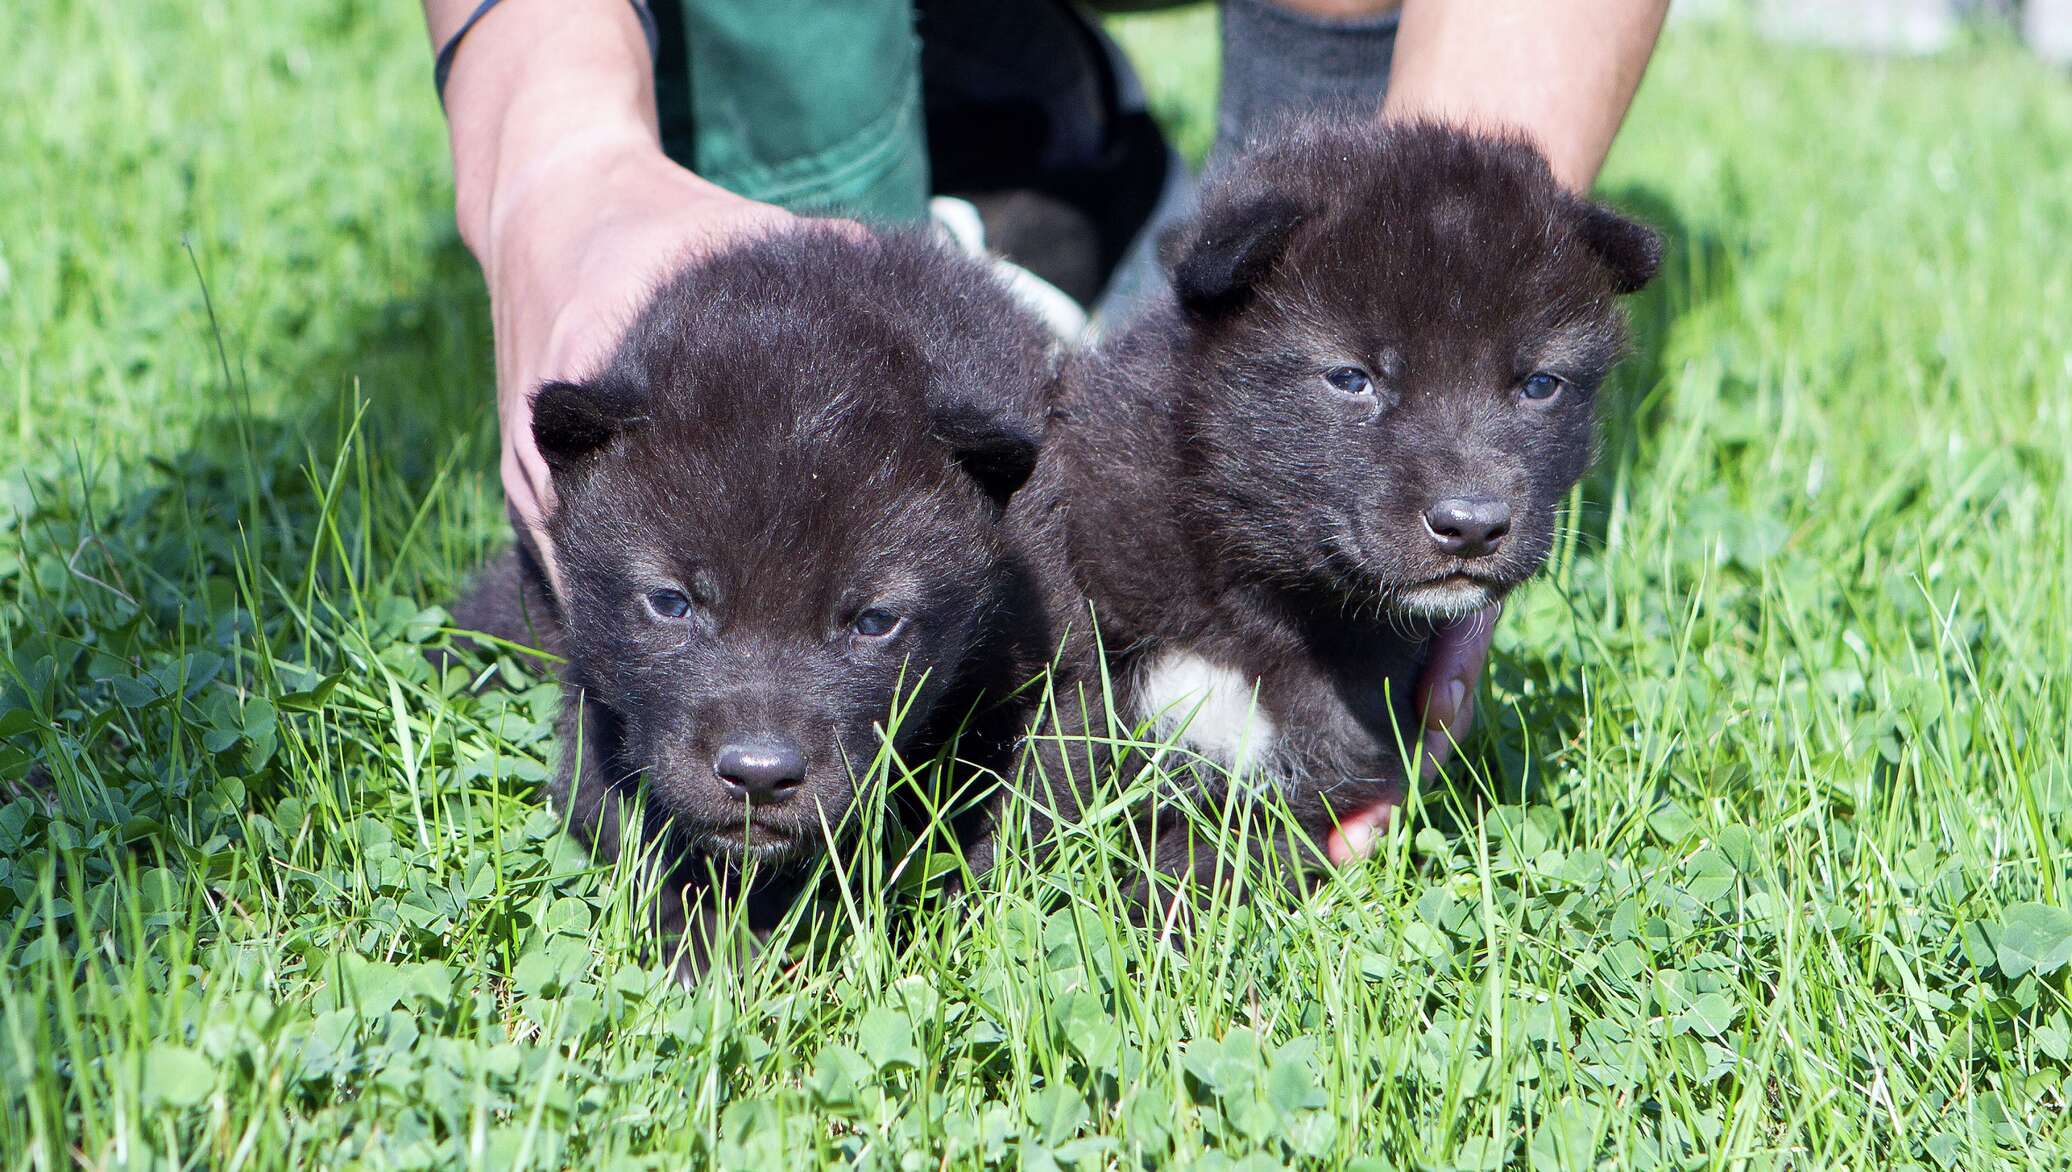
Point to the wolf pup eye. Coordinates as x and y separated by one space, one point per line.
876 624
669 604
1539 387
1350 379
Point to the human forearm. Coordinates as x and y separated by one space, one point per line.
536 86
563 194
1562 70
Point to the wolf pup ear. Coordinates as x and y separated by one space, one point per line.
1231 250
572 420
997 452
1629 250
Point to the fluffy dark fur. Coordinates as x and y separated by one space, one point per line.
1269 471
788 505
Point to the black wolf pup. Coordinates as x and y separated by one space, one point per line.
783 509
1356 413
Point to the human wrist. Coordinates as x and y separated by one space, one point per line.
545 189
540 85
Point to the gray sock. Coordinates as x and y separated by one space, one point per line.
1277 62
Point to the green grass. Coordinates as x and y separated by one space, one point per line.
1762 867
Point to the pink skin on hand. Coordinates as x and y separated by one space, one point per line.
570 260
1446 696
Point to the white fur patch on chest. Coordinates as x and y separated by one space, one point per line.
1209 708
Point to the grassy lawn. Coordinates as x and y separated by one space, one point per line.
1760 863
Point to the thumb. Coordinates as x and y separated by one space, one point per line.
1446 687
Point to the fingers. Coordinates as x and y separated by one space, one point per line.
529 496
1446 698
1446 688
852 229
1356 835
570 262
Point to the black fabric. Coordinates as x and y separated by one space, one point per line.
1034 114
673 83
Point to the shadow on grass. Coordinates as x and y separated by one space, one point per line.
141 594
396 405
1698 265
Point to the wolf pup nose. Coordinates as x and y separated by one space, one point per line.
1469 527
787 530
1358 413
762 772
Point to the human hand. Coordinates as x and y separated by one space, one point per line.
1446 698
562 192
569 260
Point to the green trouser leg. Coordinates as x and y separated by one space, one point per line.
813 105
